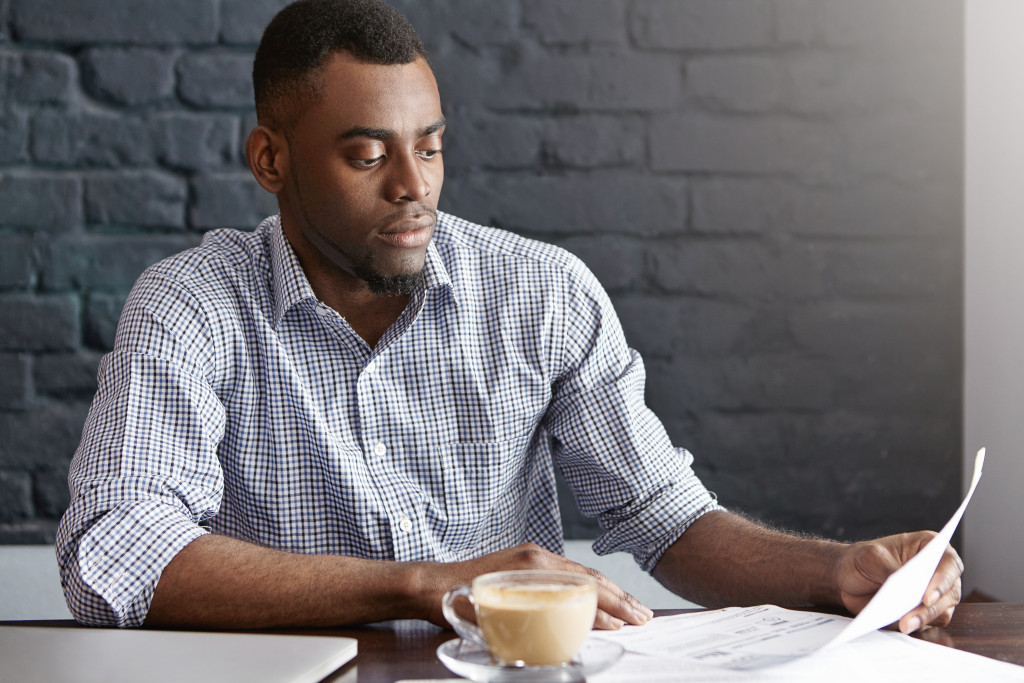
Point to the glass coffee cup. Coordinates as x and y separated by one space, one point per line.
527 617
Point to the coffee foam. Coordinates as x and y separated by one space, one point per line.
533 595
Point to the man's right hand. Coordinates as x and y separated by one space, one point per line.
614 606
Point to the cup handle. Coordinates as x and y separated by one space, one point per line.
468 631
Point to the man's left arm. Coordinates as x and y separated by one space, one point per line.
723 559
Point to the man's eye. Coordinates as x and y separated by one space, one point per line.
367 163
428 153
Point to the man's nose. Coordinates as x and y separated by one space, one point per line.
408 180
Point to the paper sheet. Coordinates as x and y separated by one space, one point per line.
735 637
757 637
877 656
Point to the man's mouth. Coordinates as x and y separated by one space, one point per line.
409 232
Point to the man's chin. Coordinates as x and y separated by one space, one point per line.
394 285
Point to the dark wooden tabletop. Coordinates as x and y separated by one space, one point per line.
393 651
992 629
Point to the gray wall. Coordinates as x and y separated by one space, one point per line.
771 191
994 298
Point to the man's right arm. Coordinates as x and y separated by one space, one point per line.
146 473
220 582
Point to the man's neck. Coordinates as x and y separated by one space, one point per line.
368 314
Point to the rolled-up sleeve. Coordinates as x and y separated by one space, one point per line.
611 448
146 472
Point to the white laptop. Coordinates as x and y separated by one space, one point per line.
38 654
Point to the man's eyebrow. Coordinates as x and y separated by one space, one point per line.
434 127
387 133
367 132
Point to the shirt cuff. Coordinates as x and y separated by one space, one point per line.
666 516
121 558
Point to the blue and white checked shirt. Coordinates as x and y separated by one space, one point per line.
235 402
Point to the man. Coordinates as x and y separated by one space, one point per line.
364 399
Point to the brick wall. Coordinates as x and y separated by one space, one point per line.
770 190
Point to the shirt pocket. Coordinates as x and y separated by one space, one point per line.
484 490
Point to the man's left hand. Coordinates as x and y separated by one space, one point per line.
866 565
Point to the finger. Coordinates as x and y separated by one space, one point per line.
607 622
635 614
629 609
947 574
938 613
619 604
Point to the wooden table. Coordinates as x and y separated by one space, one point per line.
992 629
393 651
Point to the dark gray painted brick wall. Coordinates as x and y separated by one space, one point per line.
770 190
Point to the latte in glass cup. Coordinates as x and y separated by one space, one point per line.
528 617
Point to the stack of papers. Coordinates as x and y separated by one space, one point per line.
768 643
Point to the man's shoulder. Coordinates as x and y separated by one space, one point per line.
501 248
227 272
223 255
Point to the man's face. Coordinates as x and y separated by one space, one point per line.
365 172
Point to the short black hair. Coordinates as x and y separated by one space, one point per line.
298 40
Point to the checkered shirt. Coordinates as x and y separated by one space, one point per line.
234 402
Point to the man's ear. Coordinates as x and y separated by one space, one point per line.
267 153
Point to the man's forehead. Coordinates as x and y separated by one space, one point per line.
342 69
376 94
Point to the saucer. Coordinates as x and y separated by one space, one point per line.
474 662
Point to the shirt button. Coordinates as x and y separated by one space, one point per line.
323 310
380 449
370 367
405 525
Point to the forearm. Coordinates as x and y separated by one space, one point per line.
723 559
220 582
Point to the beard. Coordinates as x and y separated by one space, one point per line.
364 266
387 285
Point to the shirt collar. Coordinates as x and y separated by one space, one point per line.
289 283
434 272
